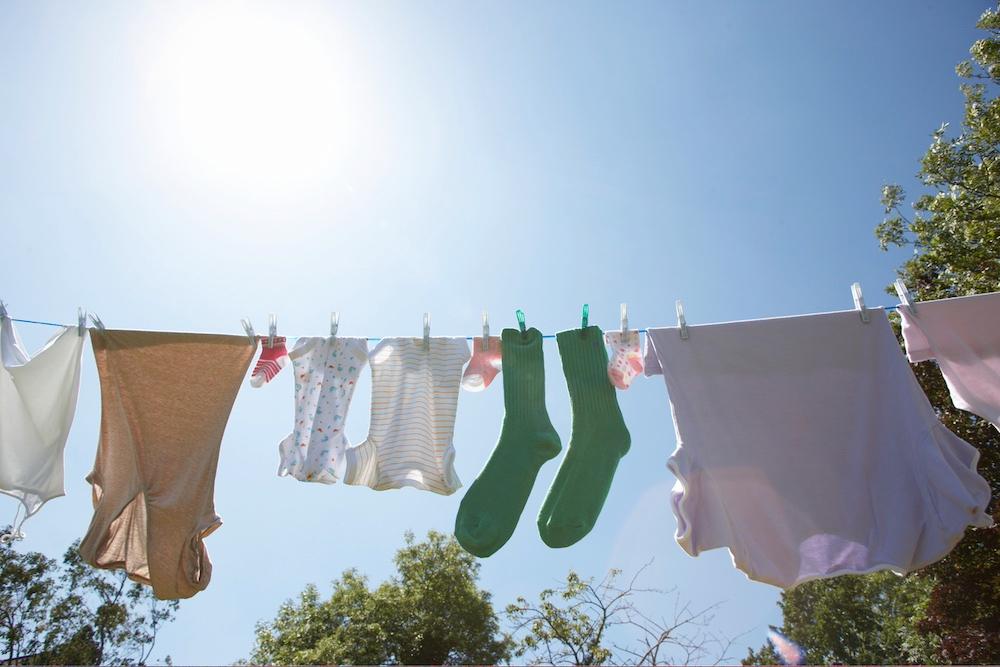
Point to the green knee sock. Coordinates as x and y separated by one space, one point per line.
491 507
598 442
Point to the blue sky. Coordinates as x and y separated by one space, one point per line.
181 165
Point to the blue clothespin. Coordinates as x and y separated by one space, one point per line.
520 320
586 316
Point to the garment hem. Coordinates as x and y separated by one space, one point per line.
982 520
12 492
399 484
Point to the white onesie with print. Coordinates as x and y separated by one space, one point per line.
326 373
414 396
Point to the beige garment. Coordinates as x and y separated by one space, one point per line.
166 398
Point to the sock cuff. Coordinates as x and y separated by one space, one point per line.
523 369
585 364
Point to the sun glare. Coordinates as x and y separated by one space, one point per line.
250 98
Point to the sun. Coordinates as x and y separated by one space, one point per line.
256 97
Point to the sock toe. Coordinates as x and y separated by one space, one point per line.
564 534
474 532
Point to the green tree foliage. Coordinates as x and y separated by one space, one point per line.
950 611
855 620
431 612
27 586
70 613
566 626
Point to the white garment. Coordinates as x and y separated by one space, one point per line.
414 398
326 374
806 446
37 403
963 334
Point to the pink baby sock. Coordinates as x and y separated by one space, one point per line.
626 359
270 362
484 365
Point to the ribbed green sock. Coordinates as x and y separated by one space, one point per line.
493 504
599 440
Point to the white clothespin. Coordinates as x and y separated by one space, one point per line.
486 331
624 322
681 320
3 310
334 323
248 328
272 329
904 295
859 302
97 321
81 321
427 330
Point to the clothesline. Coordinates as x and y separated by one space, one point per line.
370 338
762 410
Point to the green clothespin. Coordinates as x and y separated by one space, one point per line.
520 320
586 316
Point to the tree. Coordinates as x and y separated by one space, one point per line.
950 611
431 612
868 619
102 617
574 626
955 233
69 613
26 591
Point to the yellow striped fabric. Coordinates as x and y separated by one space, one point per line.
415 390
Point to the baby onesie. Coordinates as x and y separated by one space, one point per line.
963 334
807 448
414 397
165 401
326 373
37 402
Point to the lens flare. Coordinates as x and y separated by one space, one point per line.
788 651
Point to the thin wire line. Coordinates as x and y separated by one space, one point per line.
48 324
55 324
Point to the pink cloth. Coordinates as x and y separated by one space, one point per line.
963 334
484 365
270 362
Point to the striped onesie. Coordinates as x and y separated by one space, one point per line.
414 397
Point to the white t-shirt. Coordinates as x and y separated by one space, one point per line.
806 447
